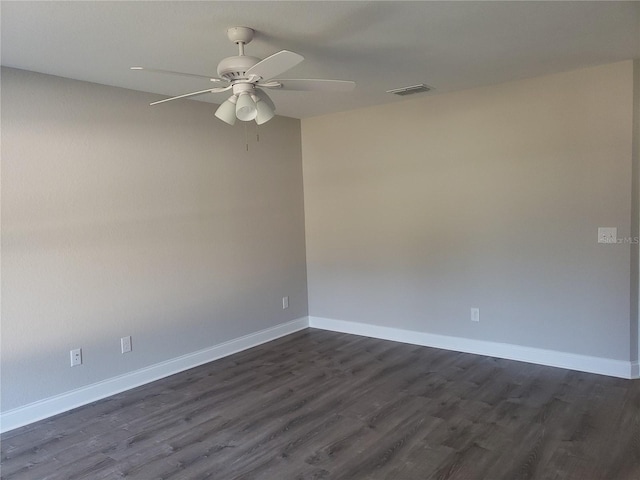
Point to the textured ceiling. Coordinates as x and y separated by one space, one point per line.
381 45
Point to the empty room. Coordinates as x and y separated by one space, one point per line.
295 240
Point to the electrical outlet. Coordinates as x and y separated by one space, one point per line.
125 344
285 303
475 314
607 234
76 357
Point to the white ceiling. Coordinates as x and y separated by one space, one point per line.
381 45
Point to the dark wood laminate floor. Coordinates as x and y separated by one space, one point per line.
325 405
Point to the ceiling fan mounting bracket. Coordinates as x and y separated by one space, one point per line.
240 34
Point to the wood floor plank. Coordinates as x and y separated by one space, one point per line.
325 405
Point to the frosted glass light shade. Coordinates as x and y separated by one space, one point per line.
246 108
264 112
227 111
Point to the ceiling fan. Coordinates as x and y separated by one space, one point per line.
247 76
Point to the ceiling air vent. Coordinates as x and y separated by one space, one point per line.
410 90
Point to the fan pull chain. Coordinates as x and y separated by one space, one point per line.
246 136
257 132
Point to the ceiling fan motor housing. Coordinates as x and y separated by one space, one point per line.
234 68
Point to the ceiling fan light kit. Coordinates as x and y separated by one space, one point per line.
246 108
264 111
247 76
227 111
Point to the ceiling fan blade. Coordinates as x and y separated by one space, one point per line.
309 84
210 90
182 74
275 64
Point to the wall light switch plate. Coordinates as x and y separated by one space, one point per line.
607 234
285 302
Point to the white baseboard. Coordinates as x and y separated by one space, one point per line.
48 407
552 358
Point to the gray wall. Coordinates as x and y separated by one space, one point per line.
419 210
124 219
121 219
